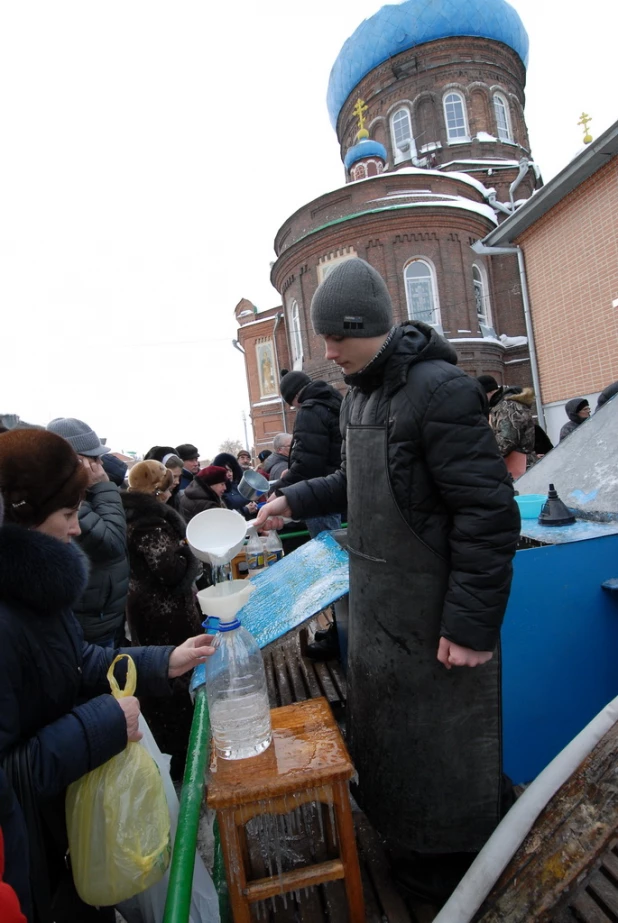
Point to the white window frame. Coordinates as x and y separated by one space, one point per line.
296 337
482 284
409 150
437 319
451 137
505 132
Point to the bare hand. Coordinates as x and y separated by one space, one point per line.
251 507
454 655
96 471
131 709
272 513
189 654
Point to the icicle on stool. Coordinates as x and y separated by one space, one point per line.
306 762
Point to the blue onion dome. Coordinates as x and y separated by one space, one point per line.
398 27
365 148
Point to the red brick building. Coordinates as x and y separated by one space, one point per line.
568 234
428 104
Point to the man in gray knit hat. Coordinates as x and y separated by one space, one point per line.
432 530
101 610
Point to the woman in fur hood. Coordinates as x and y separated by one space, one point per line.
161 608
57 719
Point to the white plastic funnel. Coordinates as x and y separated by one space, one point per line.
215 536
223 600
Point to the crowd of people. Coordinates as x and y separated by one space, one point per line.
94 560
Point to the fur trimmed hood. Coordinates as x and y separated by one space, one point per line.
39 571
525 397
144 511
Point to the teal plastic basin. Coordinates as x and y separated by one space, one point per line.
530 505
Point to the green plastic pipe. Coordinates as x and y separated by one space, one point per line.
178 902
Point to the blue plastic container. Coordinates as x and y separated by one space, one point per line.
530 505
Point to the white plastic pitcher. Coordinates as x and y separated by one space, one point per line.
216 536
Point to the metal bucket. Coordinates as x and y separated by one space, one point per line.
253 485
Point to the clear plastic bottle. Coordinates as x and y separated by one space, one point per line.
274 548
237 693
254 551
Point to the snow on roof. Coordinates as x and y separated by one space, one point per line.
482 162
475 340
463 177
485 136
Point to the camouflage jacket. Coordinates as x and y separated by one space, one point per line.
512 422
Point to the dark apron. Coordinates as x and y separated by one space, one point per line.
426 741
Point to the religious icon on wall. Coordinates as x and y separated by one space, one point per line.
266 368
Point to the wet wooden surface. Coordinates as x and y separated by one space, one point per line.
306 753
550 878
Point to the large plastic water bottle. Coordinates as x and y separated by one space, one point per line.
237 693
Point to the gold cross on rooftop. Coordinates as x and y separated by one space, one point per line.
359 111
583 121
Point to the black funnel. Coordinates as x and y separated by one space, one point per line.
554 512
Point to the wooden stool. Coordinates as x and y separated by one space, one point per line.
306 762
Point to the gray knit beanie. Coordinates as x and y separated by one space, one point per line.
352 301
78 434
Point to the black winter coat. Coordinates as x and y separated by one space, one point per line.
101 608
199 497
445 471
316 444
55 706
162 608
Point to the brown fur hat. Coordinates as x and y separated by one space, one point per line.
39 474
150 477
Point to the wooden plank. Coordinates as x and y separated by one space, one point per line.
568 838
326 683
605 893
588 911
292 658
336 671
308 674
305 877
374 858
273 698
609 862
281 677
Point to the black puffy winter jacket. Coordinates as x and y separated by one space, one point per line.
445 471
101 609
316 446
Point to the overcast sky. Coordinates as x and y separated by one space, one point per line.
150 152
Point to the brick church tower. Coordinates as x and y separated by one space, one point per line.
427 99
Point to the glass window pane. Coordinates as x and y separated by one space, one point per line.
455 116
502 119
401 127
419 292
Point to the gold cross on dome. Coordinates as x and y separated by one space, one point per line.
359 111
583 121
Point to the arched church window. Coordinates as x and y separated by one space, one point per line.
455 116
296 336
359 171
503 117
481 296
421 292
401 130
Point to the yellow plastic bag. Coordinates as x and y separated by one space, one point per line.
118 821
